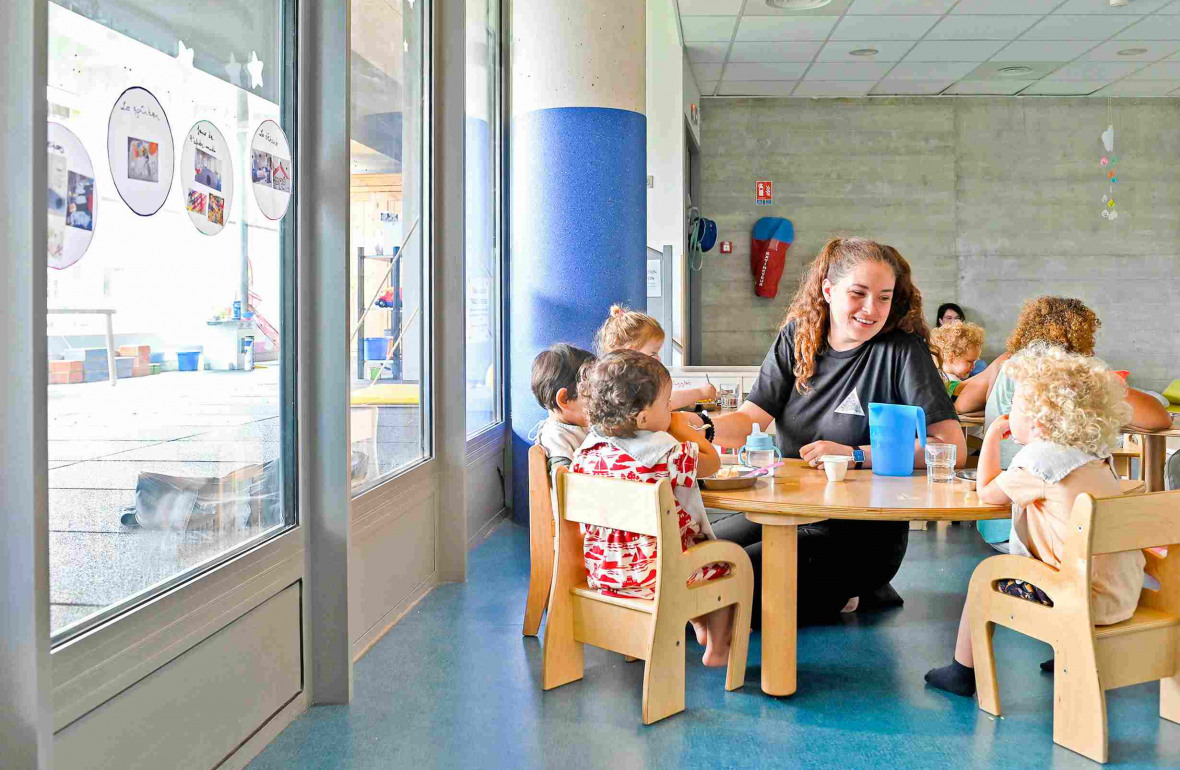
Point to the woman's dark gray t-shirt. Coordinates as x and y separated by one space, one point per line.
892 368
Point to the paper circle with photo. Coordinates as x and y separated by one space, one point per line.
72 200
140 150
271 172
207 178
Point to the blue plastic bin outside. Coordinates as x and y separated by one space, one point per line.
375 348
157 358
187 362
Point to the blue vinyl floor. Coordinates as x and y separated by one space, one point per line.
455 685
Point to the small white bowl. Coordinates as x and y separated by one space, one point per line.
836 466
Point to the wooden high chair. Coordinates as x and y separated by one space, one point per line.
541 540
652 630
1089 659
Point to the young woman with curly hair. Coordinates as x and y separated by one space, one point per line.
1062 322
854 334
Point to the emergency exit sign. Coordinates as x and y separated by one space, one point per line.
764 193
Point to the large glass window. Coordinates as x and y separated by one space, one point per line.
170 264
483 196
390 274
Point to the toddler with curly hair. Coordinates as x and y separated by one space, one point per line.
1066 413
626 329
634 435
959 345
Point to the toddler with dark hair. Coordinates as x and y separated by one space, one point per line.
555 384
634 435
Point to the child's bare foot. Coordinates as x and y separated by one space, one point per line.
698 628
719 630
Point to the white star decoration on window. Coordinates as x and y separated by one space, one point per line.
184 55
234 70
254 67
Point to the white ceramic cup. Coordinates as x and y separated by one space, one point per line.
836 466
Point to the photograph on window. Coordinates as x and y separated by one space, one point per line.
271 169
169 417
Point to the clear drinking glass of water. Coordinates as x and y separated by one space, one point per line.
940 462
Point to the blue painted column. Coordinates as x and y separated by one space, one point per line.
578 193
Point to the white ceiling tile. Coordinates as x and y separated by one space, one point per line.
848 71
1044 50
873 28
1101 7
1109 51
834 88
757 88
1064 87
890 50
765 71
790 51
1078 27
706 71
988 87
1153 28
953 50
872 7
1007 7
778 28
706 51
1095 70
968 27
762 8
707 29
709 7
1164 70
943 70
889 87
1140 88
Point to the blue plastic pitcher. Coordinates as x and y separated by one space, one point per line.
892 429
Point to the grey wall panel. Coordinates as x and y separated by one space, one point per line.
195 711
392 556
486 484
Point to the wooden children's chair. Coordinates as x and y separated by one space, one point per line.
1121 458
651 630
541 540
1089 659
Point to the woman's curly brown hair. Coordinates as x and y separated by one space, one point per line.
1061 321
617 387
810 310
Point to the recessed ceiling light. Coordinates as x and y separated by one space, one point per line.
1132 51
797 5
1019 69
863 52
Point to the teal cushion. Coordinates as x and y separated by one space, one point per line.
995 530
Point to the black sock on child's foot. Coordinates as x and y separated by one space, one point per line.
1047 666
955 678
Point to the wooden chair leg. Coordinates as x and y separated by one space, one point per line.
540 572
1170 698
739 647
663 675
1079 704
562 655
987 688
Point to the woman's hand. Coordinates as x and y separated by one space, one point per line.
817 449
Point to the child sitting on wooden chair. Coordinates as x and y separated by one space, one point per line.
960 345
1066 412
555 385
634 435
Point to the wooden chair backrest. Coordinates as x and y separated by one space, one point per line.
1131 522
634 506
540 497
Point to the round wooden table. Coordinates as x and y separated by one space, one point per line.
799 494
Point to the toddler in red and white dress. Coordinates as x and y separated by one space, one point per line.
635 436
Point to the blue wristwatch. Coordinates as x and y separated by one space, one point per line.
858 457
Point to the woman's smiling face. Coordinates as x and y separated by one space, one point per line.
859 304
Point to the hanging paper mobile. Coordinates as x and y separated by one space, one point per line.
1108 163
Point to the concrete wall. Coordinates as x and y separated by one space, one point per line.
992 201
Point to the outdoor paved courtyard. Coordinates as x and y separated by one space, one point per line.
187 424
